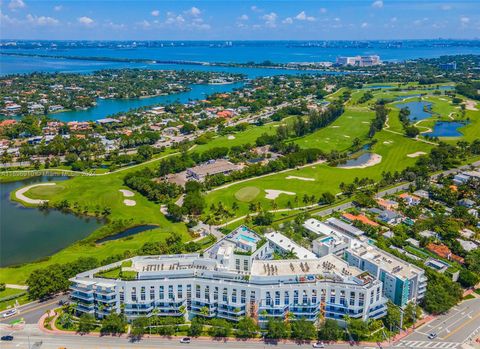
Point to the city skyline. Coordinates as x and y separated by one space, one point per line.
251 20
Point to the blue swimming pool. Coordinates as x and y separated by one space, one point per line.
248 238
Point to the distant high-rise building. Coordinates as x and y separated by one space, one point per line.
449 66
359 61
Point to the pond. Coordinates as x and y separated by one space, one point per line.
29 234
419 110
446 129
127 232
377 86
359 161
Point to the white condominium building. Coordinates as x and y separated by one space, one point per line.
234 278
402 281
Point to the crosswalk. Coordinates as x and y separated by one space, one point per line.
427 344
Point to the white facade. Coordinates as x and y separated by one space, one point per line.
234 278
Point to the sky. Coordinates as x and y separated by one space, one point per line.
239 20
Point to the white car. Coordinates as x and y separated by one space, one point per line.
432 336
318 345
185 340
9 313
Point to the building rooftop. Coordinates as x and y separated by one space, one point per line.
327 265
214 167
288 245
344 227
390 263
317 227
360 218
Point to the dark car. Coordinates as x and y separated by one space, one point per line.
7 338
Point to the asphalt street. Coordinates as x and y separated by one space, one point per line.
31 312
452 329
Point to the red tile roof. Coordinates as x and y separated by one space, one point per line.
444 252
360 218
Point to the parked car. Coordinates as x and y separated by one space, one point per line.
318 345
9 313
432 335
185 340
7 338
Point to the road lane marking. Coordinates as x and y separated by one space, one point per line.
461 326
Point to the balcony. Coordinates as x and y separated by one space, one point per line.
82 296
75 288
85 309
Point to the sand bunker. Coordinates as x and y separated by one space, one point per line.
336 126
374 160
128 202
231 137
300 178
127 193
273 194
19 194
365 122
346 136
470 105
388 142
417 154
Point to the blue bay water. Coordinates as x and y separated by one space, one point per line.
107 107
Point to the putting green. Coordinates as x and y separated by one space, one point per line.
44 192
247 194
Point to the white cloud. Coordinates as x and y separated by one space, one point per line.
155 13
377 4
5 19
144 24
364 25
270 19
172 18
86 21
393 19
302 16
323 10
256 9
287 20
42 21
194 11
114 26
446 7
16 4
243 18
464 20
420 21
58 8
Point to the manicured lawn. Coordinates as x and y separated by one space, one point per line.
91 195
247 194
88 195
243 137
354 123
79 249
393 149
41 192
10 292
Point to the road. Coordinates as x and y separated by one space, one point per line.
453 329
31 312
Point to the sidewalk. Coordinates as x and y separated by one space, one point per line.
56 331
412 329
